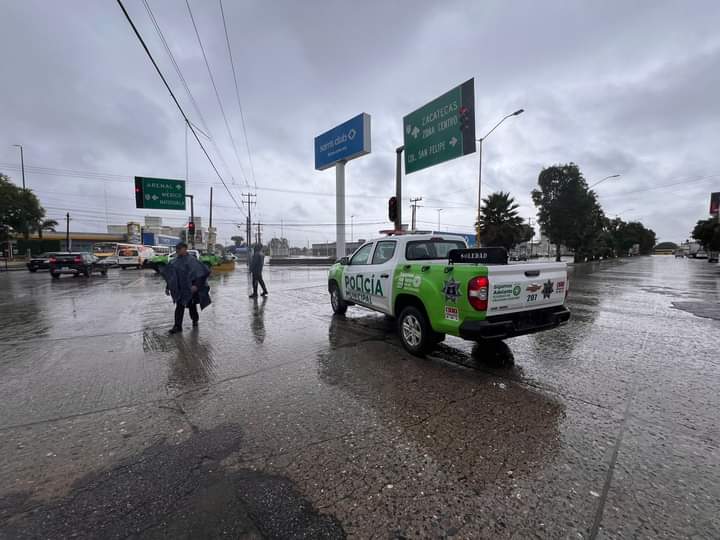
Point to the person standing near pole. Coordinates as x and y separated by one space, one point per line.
256 268
186 282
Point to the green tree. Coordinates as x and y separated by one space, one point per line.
20 209
568 212
238 240
707 232
500 224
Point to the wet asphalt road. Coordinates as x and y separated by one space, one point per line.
275 419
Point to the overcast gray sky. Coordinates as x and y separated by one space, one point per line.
618 87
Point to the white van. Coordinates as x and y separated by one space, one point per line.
131 255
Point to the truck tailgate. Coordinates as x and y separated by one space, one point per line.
522 287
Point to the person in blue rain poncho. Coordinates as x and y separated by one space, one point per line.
186 282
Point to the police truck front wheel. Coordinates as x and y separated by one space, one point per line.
415 332
339 306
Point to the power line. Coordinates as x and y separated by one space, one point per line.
180 75
237 95
177 103
217 94
175 64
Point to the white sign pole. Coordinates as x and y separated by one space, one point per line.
340 209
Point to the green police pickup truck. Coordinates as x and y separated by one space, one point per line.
434 285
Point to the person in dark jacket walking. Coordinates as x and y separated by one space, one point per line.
186 282
256 267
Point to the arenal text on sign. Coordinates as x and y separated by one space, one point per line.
159 193
441 130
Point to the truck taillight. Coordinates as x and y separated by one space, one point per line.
478 292
78 260
53 260
567 288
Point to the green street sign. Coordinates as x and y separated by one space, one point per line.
159 193
443 129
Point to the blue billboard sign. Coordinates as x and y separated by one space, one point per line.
347 141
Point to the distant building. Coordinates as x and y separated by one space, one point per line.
161 234
327 249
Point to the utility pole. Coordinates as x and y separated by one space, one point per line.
438 211
22 163
259 232
248 222
530 222
67 232
352 223
414 204
210 225
191 228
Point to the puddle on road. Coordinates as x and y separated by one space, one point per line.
173 491
707 310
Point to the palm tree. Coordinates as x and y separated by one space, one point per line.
500 224
45 225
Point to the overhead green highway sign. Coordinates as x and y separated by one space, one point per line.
159 193
441 130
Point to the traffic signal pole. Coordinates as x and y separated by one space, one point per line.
398 187
192 220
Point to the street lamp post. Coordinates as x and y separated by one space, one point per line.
438 211
22 163
603 179
481 140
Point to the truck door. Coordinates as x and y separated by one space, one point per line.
355 287
383 266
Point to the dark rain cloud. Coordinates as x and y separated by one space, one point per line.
617 87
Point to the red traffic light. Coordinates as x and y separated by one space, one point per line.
191 227
392 208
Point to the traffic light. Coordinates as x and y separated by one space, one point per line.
139 201
464 118
392 209
191 229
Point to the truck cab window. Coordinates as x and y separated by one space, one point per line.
361 255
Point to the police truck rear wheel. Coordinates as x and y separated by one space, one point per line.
415 332
336 301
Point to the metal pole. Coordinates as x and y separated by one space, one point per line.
340 209
398 186
477 229
192 220
22 165
210 225
438 211
67 231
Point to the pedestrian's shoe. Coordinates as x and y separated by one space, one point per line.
253 296
264 293
195 324
175 330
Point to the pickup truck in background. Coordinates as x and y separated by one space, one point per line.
434 285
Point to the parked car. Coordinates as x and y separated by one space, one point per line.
39 262
76 264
